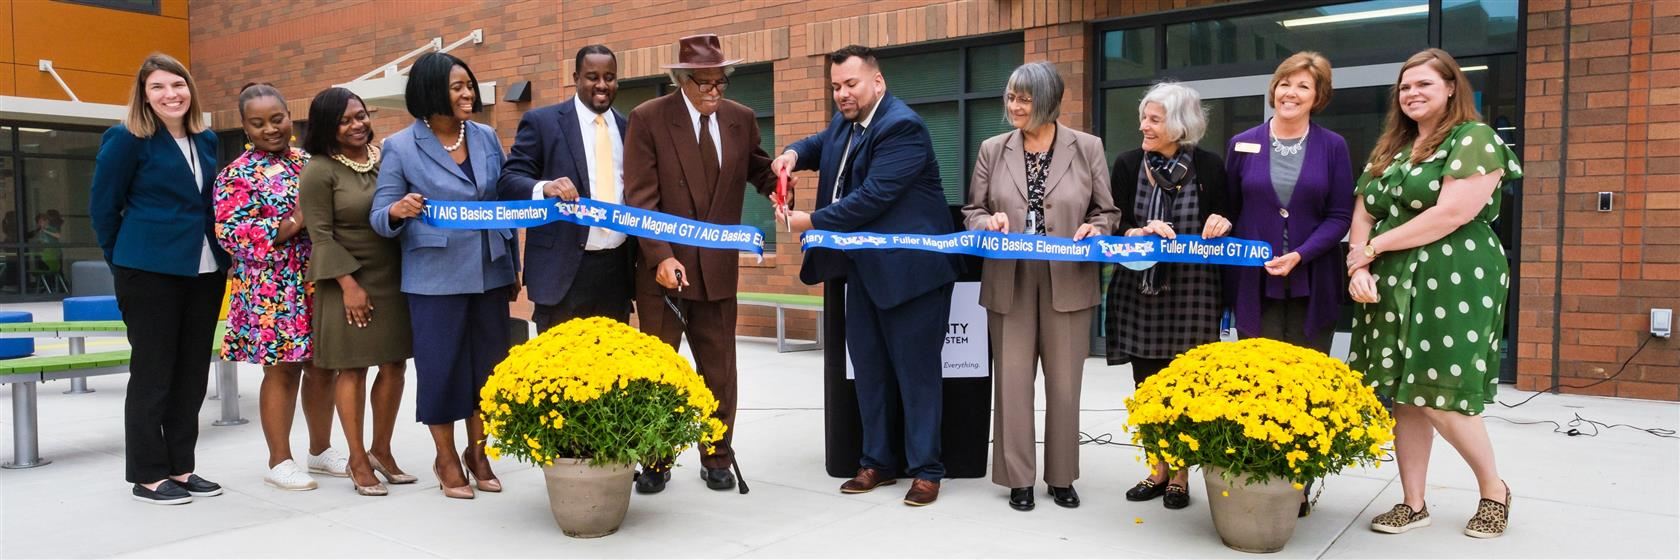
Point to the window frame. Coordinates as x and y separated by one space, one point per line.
156 8
20 200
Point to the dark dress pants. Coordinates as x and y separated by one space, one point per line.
603 287
171 328
896 358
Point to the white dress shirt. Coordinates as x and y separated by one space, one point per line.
599 238
206 260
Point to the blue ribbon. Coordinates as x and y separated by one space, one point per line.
1129 251
646 224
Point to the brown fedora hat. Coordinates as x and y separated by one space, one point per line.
700 51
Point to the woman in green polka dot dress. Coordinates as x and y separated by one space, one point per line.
1431 279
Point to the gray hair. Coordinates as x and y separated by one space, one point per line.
1186 118
1043 84
677 75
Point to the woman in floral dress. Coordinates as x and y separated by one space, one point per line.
269 300
1431 278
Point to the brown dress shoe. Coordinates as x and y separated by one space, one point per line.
922 492
867 479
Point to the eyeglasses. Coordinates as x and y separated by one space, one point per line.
709 87
1012 98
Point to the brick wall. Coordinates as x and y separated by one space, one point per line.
1611 68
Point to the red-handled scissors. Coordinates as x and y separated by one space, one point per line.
782 195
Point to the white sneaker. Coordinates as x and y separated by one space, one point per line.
287 476
330 463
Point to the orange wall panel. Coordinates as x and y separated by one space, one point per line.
91 87
175 9
7 87
6 37
92 39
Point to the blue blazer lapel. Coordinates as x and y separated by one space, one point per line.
434 150
830 165
485 148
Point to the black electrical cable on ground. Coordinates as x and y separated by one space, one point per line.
1573 427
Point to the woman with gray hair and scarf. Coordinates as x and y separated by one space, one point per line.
1166 187
1040 179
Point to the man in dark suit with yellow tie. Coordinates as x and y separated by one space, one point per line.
878 174
570 150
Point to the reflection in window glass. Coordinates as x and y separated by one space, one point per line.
1120 120
33 140
1128 54
1469 26
1340 31
1357 115
5 138
56 200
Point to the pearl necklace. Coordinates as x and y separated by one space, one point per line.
373 160
1287 150
459 139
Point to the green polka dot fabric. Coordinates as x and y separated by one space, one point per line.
1433 339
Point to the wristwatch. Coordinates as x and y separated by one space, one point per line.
1370 252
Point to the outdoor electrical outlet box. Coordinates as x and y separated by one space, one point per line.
1604 201
1662 322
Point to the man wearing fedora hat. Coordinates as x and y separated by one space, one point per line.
690 153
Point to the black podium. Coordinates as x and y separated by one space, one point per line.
968 401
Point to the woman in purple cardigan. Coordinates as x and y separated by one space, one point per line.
1292 182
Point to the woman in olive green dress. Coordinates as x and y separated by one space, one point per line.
361 317
1431 279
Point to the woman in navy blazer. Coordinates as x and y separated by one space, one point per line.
458 282
1292 184
151 211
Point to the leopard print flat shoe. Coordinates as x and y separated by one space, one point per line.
1491 518
1400 519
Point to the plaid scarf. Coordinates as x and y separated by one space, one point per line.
1163 180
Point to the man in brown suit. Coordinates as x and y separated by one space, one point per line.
690 154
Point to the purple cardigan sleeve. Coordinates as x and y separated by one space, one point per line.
1339 202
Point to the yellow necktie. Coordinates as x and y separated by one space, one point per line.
605 188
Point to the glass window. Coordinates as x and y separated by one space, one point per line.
1357 115
1471 26
958 92
1345 31
142 6
989 66
5 138
633 93
1228 116
753 87
1128 54
1120 121
58 142
931 74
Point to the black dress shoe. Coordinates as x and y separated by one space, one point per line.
1021 498
718 479
650 481
168 493
1146 490
1177 497
1065 497
200 488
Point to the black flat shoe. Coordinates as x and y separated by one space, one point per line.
718 479
1021 499
1065 497
1146 490
200 488
650 481
1177 497
168 493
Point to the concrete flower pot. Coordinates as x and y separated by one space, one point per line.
588 501
1251 517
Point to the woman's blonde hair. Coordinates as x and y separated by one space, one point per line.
142 121
1400 130
1316 65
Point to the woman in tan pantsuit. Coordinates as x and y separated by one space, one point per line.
1040 179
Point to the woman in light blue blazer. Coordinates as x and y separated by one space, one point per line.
150 205
458 282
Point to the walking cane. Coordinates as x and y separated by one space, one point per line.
740 481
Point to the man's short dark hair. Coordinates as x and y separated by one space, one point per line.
321 138
577 65
847 52
427 93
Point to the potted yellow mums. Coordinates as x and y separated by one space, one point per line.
586 401
1261 418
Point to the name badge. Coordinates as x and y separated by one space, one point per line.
1248 147
273 170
